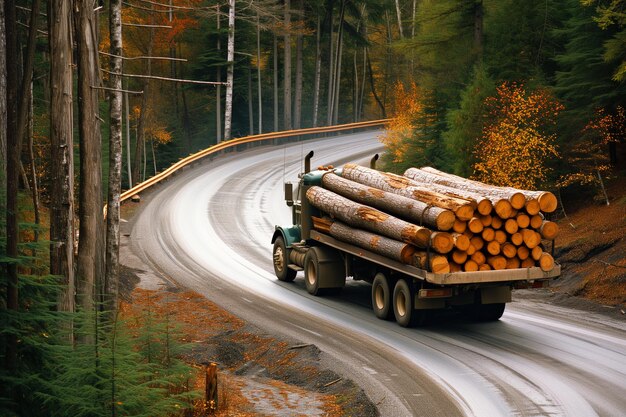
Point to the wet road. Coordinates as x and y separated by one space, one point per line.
210 227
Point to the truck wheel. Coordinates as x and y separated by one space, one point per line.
488 312
311 272
403 300
381 297
281 260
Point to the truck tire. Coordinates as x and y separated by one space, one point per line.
403 304
382 297
488 312
311 272
280 255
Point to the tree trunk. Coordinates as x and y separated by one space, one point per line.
484 205
478 29
90 253
408 208
275 47
287 67
338 75
111 279
218 90
399 15
364 217
32 163
373 86
397 184
127 124
297 105
258 73
331 65
3 106
230 58
13 166
390 248
61 152
317 75
547 200
250 102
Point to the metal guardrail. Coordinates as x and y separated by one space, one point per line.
240 141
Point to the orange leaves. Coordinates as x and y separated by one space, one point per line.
517 144
408 117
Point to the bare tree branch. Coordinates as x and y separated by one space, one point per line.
177 80
132 58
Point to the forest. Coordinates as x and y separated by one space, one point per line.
97 96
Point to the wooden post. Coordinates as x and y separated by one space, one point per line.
210 392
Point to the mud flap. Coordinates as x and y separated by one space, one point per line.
494 295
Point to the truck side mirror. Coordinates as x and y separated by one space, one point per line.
289 193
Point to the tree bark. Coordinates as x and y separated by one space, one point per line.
413 210
61 151
13 166
287 67
90 254
111 279
228 110
297 105
275 75
317 75
364 217
406 187
390 248
218 90
258 73
3 106
399 16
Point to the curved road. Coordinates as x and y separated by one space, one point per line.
209 229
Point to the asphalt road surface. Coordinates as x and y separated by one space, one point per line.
209 228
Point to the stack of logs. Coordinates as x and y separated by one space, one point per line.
434 220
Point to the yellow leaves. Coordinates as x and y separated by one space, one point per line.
408 117
516 145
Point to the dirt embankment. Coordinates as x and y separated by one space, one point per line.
591 247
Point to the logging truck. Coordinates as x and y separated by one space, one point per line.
412 269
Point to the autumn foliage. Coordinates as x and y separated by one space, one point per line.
518 142
589 158
405 129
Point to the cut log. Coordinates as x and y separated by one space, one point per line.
532 206
470 266
493 247
488 234
471 250
415 211
513 263
497 262
454 267
517 239
459 226
546 262
441 242
536 220
475 225
459 257
502 198
536 252
484 205
509 250
484 267
439 264
527 263
393 249
523 252
477 242
523 221
496 222
547 201
367 218
463 209
548 230
486 220
479 258
501 236
531 238
511 226
461 241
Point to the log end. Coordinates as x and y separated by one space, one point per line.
546 262
461 242
497 262
532 206
549 230
548 202
445 220
484 207
442 242
517 200
503 208
439 265
464 212
470 266
475 225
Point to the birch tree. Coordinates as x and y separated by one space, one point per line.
61 147
287 67
115 156
228 110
